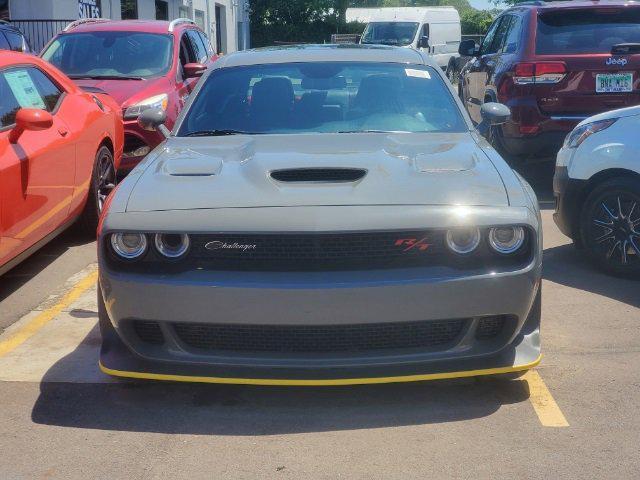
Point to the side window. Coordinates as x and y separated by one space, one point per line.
25 87
207 44
15 40
4 44
485 48
185 54
198 47
501 34
513 36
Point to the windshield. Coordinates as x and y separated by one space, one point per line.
111 54
586 31
390 33
323 97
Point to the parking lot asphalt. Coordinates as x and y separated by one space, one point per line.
575 416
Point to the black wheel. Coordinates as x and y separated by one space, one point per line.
103 180
610 226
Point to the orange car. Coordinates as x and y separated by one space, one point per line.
59 150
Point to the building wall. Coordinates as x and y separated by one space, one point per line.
234 11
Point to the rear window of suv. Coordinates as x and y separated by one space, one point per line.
596 30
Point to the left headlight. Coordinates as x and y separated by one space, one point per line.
581 133
129 246
507 239
157 101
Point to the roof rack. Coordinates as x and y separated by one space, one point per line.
82 21
178 21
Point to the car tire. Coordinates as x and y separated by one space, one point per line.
610 226
103 180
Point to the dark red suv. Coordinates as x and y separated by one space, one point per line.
140 63
554 64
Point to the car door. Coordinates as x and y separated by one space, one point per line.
476 73
36 172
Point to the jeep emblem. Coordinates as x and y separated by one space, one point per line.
616 61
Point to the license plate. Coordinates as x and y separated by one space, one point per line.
614 82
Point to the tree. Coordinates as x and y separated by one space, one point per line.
475 22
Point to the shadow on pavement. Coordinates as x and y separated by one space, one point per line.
567 266
202 409
32 266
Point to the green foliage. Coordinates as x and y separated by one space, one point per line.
475 22
313 21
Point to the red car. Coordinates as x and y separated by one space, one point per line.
554 64
60 148
140 63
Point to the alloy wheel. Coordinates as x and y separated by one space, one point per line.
614 230
106 180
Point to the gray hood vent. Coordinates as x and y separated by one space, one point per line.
322 175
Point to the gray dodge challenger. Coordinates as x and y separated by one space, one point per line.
321 215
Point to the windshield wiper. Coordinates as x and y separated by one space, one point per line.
216 133
104 77
372 131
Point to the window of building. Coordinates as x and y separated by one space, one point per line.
184 12
129 9
199 14
162 10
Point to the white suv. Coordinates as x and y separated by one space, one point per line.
597 189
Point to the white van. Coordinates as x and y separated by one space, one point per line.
433 30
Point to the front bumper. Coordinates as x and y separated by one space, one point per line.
191 299
137 144
568 195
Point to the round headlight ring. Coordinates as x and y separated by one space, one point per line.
129 246
506 240
172 245
463 240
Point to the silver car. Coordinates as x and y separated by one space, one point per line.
321 215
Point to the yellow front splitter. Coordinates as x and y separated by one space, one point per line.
317 383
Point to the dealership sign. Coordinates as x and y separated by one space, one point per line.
88 8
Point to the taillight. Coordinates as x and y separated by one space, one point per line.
539 73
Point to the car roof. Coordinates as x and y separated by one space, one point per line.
541 5
147 26
4 25
326 53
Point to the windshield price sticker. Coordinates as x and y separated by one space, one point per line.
412 72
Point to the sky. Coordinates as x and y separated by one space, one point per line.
482 4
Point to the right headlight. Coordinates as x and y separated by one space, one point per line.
157 101
581 133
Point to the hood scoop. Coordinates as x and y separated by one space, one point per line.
318 175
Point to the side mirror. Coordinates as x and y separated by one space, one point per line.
194 70
468 48
153 119
423 42
30 119
492 113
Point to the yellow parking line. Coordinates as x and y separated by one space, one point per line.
32 326
543 403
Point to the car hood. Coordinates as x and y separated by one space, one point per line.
234 171
120 90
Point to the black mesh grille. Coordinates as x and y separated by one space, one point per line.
434 335
318 174
490 327
148 332
317 251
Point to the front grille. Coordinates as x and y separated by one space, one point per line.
148 332
317 251
318 174
490 327
433 335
